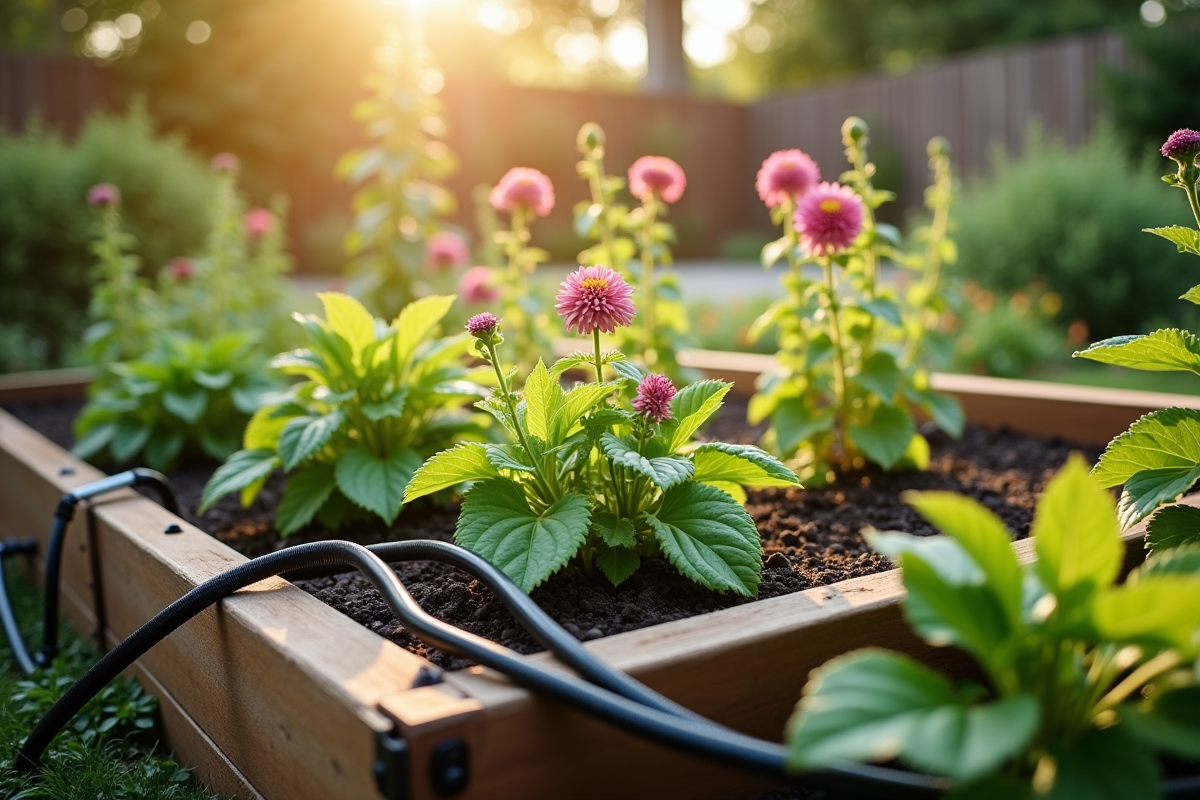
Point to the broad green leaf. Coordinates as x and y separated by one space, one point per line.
774 313
188 406
880 375
390 407
1104 765
1147 490
795 421
575 404
498 524
617 563
463 462
734 490
213 381
94 440
1156 611
773 251
376 484
1168 720
615 531
1192 295
349 319
709 538
692 407
302 437
872 705
1168 350
307 490
163 448
983 536
263 430
884 309
242 469
129 437
740 463
417 321
1075 535
1173 526
664 471
1167 438
1186 240
944 409
543 402
508 457
1183 560
629 370
886 437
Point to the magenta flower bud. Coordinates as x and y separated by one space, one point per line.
477 286
595 299
181 269
786 174
446 250
653 400
259 222
829 218
657 176
225 162
1183 145
482 326
103 195
522 187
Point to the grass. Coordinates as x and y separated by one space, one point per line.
109 751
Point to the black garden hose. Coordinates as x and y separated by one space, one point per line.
702 739
12 630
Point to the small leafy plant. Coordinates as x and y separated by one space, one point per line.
1158 458
851 351
590 477
374 400
1087 681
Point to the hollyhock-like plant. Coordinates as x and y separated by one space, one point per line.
853 352
446 250
587 477
1158 458
477 286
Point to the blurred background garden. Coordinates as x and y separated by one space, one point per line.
1054 112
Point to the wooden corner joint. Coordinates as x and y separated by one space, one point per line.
440 727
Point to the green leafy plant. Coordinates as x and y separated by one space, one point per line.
1008 337
589 477
852 353
1158 458
374 400
1086 680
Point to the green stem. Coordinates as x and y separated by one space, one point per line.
841 398
606 237
1164 662
512 410
651 209
599 360
1190 190
800 341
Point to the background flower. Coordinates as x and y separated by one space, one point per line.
477 286
786 174
225 162
829 218
522 187
259 222
595 298
103 194
656 175
446 250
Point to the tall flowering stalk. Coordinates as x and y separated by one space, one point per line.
602 218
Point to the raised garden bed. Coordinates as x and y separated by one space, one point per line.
280 693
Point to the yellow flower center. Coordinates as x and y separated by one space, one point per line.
594 284
831 206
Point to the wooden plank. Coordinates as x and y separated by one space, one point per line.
20 387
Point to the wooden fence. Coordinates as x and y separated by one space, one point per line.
978 101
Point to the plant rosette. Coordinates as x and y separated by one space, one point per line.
590 476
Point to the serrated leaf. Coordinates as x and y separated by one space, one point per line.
463 462
303 436
1163 440
664 471
1149 489
543 401
1174 526
376 484
692 406
796 421
390 407
1167 350
884 309
881 375
885 438
615 531
709 538
1192 295
498 524
417 321
242 469
617 563
504 456
188 406
307 490
1186 240
577 402
263 430
872 705
629 370
1182 560
743 464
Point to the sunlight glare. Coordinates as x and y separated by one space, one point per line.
710 26
498 17
577 50
626 46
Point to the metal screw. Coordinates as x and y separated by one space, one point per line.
173 528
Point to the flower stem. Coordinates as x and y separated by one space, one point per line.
599 360
511 402
1164 662
1190 190
841 398
649 354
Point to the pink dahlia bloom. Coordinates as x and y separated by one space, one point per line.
181 269
595 298
828 218
1182 145
653 398
103 194
225 162
522 187
786 174
477 286
482 324
657 176
446 250
259 222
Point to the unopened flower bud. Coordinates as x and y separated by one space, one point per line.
854 130
1182 146
939 146
484 326
590 137
103 195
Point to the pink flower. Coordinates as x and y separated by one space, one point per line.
1182 145
181 269
828 218
482 324
259 222
595 298
522 187
225 162
653 398
656 176
103 194
446 250
786 174
476 286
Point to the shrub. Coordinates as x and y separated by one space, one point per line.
45 224
1063 217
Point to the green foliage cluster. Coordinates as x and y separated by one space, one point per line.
46 226
1010 233
852 351
374 400
1087 681
584 476
525 310
1158 458
1008 337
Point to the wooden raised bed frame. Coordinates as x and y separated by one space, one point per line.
276 695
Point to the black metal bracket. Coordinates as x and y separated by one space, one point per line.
393 770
